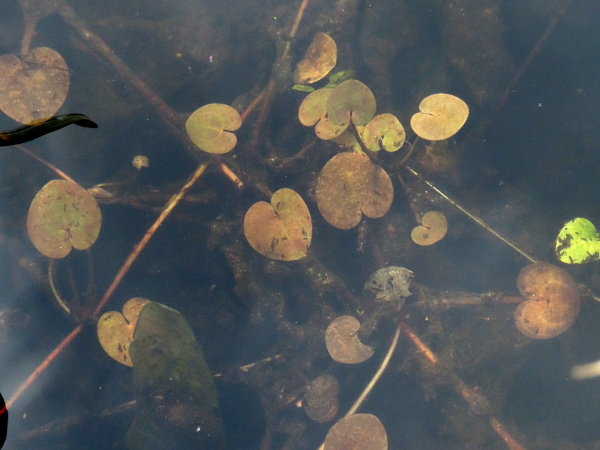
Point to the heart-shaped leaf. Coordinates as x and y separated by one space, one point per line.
210 127
33 86
350 185
551 303
342 341
441 116
115 330
281 229
578 242
63 215
432 229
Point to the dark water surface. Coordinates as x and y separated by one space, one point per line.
527 160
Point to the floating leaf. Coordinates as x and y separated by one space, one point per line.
342 341
351 101
321 398
432 229
552 301
351 185
115 330
34 85
313 111
357 432
384 132
441 116
282 229
318 61
63 215
578 242
210 127
176 397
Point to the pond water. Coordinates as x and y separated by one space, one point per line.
462 375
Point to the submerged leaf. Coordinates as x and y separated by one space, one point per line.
441 116
63 215
432 229
115 330
351 185
176 398
552 301
210 127
343 343
34 85
351 101
318 61
357 432
281 229
384 132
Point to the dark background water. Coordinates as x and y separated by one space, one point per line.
533 168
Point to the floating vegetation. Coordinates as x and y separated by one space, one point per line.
432 229
343 343
440 117
281 229
63 215
210 128
349 186
578 242
318 61
115 330
34 85
551 301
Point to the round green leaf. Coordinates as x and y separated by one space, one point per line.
578 242
210 126
63 215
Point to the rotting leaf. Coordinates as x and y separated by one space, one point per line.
357 432
384 132
351 101
321 398
578 242
281 229
34 85
320 58
351 185
433 228
441 116
552 301
210 127
342 341
390 284
63 215
115 330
